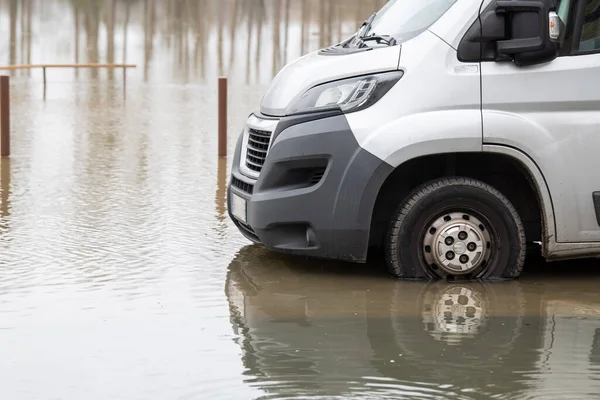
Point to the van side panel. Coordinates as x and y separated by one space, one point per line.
551 112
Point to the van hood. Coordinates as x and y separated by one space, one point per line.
321 67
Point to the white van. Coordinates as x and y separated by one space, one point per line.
450 133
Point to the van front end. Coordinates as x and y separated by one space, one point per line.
303 185
301 182
310 163
429 134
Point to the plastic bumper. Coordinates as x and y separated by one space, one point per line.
315 193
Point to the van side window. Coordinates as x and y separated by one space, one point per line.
590 36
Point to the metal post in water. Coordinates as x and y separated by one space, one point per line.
222 117
44 68
4 116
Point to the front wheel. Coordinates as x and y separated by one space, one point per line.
456 228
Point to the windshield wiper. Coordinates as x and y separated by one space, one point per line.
367 25
387 39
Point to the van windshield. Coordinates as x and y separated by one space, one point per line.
406 19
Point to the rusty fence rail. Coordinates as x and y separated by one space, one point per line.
44 67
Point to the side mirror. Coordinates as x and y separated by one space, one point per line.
526 32
533 30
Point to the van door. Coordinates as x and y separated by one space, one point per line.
551 112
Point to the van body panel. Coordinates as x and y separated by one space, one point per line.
436 87
552 113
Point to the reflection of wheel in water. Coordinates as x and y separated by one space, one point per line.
480 321
455 313
430 342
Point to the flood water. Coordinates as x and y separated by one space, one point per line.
122 277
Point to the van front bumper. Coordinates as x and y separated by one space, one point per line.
315 193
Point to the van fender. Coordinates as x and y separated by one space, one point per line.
541 189
455 131
422 134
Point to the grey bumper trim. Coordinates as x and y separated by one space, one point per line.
328 219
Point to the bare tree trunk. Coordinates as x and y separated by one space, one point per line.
28 32
177 24
199 22
76 34
149 21
186 42
22 33
92 28
339 23
322 24
276 36
306 18
221 21
251 14
359 15
233 27
329 23
126 30
110 33
261 13
204 41
287 31
14 8
76 41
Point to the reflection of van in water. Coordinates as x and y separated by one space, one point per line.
450 133
305 333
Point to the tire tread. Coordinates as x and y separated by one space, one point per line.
427 189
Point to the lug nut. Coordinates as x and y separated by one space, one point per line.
471 246
450 255
449 241
462 235
464 259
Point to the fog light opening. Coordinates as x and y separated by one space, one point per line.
311 237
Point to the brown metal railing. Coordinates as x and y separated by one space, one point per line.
5 93
46 66
5 102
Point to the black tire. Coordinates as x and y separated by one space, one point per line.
404 247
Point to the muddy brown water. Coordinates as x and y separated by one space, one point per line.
122 278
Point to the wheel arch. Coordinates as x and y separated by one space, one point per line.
498 163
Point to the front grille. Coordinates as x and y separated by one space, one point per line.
257 148
243 186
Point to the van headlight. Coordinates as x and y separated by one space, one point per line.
347 95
